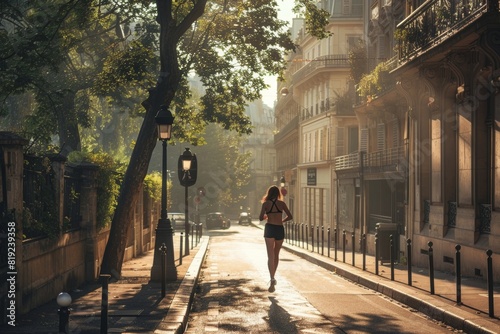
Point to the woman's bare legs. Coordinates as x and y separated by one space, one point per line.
273 251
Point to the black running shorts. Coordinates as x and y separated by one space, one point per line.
274 231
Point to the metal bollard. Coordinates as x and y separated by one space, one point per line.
104 303
391 256
491 312
302 233
63 300
163 250
335 244
376 254
297 238
180 249
353 242
343 245
192 238
431 266
363 246
317 238
458 274
322 240
312 238
328 235
307 238
408 263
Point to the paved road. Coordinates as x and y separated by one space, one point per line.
233 296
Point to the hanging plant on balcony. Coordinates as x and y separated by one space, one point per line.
374 83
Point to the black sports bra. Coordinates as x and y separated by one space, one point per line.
274 206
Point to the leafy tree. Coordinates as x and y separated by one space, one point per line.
230 45
81 58
222 170
57 52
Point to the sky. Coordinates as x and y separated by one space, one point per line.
285 13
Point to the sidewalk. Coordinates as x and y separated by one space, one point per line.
135 303
471 316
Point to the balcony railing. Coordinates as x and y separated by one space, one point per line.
330 61
435 21
293 124
390 157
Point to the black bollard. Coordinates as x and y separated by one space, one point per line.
312 238
363 246
343 245
322 240
180 249
431 266
307 238
63 300
376 253
391 256
104 303
297 237
317 238
328 235
196 228
491 312
335 244
353 248
163 250
302 233
459 274
408 263
192 234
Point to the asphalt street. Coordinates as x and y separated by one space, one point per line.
232 295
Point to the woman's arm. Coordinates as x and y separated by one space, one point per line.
262 215
288 213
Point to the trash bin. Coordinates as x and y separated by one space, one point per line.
384 231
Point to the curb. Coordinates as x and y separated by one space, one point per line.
176 319
402 295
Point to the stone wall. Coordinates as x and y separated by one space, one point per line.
44 267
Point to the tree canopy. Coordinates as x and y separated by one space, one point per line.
80 63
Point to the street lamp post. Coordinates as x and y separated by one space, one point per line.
164 231
187 177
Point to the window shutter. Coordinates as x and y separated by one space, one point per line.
339 145
395 133
363 142
380 136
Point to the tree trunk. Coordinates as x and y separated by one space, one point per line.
163 94
129 190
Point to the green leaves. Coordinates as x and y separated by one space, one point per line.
316 19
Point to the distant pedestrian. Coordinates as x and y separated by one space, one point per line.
273 208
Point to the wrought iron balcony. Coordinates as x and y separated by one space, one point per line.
437 20
392 157
321 63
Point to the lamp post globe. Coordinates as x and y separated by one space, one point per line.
63 299
164 232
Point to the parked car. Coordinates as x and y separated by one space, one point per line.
178 219
244 219
217 220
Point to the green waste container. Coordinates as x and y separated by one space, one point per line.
384 231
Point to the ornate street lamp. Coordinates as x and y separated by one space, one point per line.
164 231
187 166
